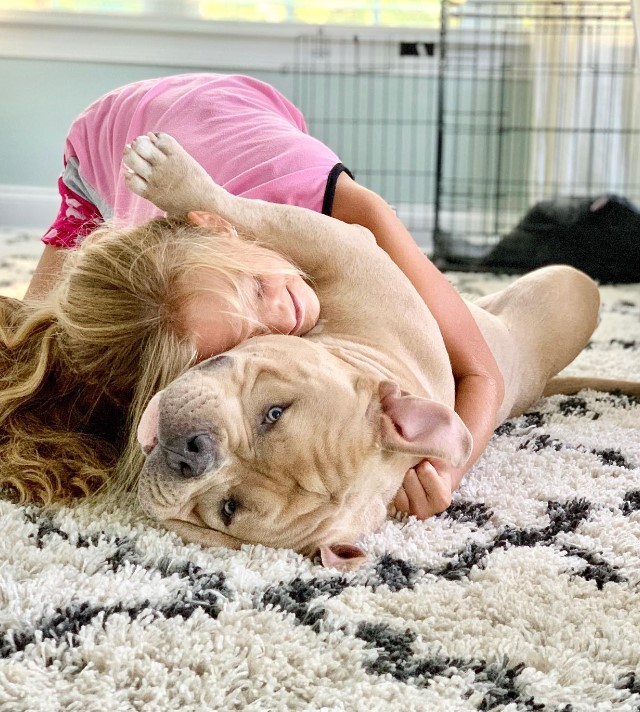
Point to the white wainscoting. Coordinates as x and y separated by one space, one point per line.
25 206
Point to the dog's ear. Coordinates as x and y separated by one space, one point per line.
214 222
344 557
422 426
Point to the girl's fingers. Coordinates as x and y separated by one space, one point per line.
437 488
401 501
418 501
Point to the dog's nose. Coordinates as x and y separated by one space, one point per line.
191 455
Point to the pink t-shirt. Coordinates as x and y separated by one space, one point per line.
248 137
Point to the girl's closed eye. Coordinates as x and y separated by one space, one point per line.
259 287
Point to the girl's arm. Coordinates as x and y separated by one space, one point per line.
76 217
47 272
479 384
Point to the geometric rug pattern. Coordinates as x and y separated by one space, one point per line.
523 596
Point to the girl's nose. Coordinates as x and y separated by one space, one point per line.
271 285
271 295
276 310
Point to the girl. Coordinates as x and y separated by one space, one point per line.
78 368
254 143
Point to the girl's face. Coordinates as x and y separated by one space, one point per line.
284 303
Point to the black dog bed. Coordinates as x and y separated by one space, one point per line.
599 235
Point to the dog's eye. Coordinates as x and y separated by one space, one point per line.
229 508
274 413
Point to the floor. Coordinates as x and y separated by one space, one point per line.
19 253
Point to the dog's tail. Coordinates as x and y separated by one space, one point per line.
569 385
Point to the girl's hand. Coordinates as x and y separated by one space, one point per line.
425 491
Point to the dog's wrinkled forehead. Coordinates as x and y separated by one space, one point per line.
276 360
284 352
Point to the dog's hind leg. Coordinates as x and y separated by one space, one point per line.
545 319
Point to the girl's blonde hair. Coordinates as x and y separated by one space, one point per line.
77 370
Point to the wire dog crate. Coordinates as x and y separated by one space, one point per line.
375 103
464 127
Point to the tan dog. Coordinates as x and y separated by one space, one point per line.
302 443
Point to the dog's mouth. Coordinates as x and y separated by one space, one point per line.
148 426
148 448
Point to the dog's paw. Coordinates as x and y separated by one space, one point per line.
141 158
159 169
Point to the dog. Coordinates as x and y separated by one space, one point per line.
302 443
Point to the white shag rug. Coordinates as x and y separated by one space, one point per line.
523 596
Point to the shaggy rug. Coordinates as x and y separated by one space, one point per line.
522 596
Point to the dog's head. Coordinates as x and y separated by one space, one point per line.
278 442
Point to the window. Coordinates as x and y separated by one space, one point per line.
382 13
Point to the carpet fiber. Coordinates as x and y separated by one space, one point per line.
523 596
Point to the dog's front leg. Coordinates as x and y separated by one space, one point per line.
161 171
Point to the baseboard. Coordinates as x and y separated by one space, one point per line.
27 206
